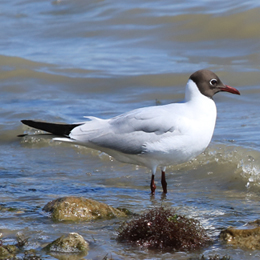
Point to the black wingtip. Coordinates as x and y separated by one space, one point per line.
53 128
27 122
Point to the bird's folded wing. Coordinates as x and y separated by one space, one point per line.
128 133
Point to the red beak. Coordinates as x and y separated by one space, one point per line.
230 89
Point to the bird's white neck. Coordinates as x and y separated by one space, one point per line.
202 106
192 92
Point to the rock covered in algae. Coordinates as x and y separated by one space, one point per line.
71 243
161 228
244 238
8 251
80 209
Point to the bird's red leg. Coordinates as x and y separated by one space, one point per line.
163 182
152 185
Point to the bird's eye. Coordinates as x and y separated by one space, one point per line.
213 82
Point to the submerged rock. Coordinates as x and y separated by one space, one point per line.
30 255
68 247
4 252
71 243
79 208
244 238
4 208
8 251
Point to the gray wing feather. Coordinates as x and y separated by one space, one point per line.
128 133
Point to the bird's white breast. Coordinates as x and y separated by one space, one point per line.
194 123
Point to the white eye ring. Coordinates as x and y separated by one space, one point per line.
213 82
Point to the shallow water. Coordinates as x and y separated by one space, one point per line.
61 60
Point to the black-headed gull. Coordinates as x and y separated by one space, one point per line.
156 136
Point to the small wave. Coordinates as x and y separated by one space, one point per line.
228 162
247 161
